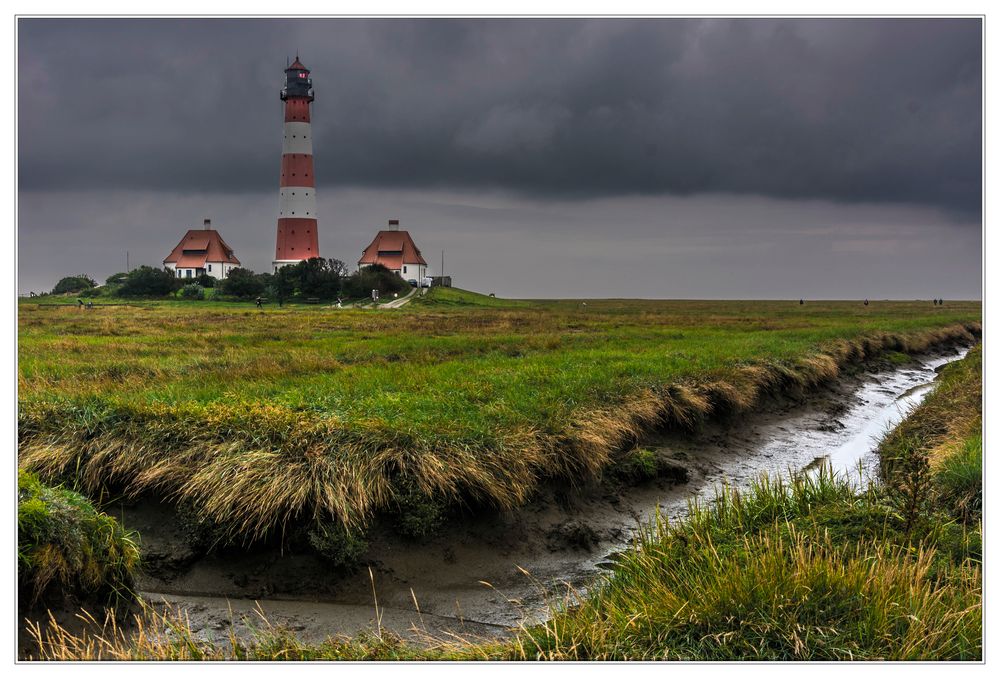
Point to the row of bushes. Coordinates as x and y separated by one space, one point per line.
316 278
312 278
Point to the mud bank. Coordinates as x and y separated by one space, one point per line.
484 574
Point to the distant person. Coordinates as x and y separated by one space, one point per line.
340 303
79 303
866 302
260 303
801 302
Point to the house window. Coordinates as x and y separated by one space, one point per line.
404 268
189 273
209 267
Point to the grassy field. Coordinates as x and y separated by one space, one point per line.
259 418
808 569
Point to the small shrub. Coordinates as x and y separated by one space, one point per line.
146 281
193 291
336 544
375 277
639 464
242 283
91 292
205 281
200 532
642 464
116 278
73 284
418 514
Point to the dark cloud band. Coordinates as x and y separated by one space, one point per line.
858 110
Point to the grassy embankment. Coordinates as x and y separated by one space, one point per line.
261 419
67 550
813 568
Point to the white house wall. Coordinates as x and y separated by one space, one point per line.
414 272
219 270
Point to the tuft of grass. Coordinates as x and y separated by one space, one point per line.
66 548
959 479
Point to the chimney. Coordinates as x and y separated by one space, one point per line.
208 224
394 225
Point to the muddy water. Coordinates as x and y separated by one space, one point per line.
483 575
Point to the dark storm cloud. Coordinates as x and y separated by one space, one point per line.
842 110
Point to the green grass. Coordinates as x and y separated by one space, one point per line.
452 297
66 548
259 418
940 446
807 569
960 478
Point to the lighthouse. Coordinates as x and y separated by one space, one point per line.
297 238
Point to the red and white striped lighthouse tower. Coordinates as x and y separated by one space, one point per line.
297 237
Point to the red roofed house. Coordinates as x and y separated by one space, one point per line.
202 251
396 251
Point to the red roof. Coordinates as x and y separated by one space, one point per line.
297 65
392 249
200 246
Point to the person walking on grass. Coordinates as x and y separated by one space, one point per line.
260 302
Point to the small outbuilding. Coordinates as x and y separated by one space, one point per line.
202 251
396 251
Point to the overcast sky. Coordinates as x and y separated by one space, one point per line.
547 157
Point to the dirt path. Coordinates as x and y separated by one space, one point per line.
396 303
484 574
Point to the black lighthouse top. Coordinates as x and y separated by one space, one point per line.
297 82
